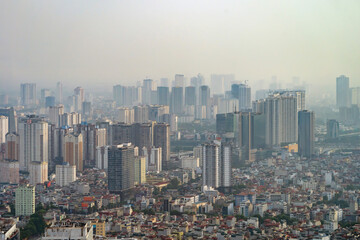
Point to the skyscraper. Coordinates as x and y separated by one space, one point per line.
211 165
162 140
147 88
12 119
38 172
92 137
163 96
242 92
12 148
177 101
190 96
332 128
281 119
119 95
28 94
65 174
121 167
204 98
342 91
179 81
73 150
225 165
33 132
306 133
139 170
59 93
4 124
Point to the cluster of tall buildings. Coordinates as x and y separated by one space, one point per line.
60 141
274 121
188 102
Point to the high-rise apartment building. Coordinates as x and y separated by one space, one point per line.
65 174
12 148
281 119
121 167
179 81
38 172
147 88
33 133
119 95
141 114
190 96
102 157
221 82
126 115
4 128
306 133
140 170
10 113
332 128
204 98
211 165
55 113
162 140
9 171
342 91
177 101
25 200
59 93
28 94
216 164
92 137
242 92
163 96
225 166
73 150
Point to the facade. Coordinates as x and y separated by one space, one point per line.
9 171
306 133
33 132
342 91
25 200
73 150
38 172
28 94
65 174
121 167
12 148
69 230
225 166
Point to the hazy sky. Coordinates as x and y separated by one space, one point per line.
95 43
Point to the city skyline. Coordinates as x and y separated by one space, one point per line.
98 45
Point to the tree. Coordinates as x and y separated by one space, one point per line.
174 183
